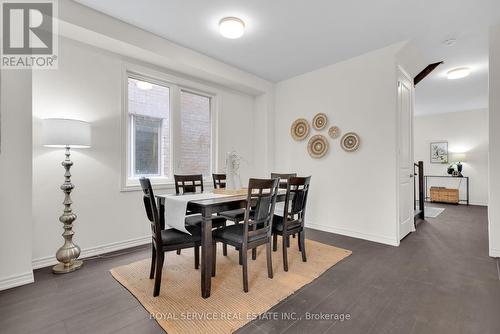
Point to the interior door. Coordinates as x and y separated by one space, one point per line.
405 154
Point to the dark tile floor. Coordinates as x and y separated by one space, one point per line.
440 280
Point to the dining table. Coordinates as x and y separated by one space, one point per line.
207 207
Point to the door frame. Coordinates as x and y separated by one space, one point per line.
402 74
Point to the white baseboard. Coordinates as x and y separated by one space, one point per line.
93 251
355 234
16 280
494 252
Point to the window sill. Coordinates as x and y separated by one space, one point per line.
158 184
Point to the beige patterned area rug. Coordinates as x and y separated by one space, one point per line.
180 308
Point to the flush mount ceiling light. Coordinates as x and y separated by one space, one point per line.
144 85
458 73
231 27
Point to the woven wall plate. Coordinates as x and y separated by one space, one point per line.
317 146
319 121
334 132
299 129
350 142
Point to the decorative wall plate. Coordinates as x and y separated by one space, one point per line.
334 132
319 121
350 142
317 146
300 129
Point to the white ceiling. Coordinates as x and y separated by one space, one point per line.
285 38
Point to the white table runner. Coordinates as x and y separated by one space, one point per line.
175 208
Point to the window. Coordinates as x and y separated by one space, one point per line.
169 131
194 157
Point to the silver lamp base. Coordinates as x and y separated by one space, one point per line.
61 268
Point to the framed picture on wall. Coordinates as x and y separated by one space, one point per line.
439 152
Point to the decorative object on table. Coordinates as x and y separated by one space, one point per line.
439 152
457 159
233 161
300 129
67 133
334 132
317 146
444 195
319 121
350 142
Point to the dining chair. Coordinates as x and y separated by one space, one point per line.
292 221
283 178
256 230
236 215
185 184
166 240
219 180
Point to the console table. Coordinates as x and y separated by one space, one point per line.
458 178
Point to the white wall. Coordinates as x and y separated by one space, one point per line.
15 179
88 86
351 193
494 120
465 132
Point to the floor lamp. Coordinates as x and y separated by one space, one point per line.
66 133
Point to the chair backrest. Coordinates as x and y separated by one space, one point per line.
297 190
261 196
188 183
219 180
283 178
151 209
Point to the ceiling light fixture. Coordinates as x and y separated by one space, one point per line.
144 85
231 27
458 73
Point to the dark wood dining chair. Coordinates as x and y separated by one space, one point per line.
283 177
235 216
219 180
166 240
292 221
185 184
256 230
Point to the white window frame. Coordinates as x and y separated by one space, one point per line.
175 84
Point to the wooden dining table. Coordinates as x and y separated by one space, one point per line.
207 208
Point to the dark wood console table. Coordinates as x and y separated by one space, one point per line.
459 178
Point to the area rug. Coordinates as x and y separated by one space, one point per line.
433 212
180 308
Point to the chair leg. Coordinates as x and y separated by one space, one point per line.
178 252
302 238
196 257
153 263
269 260
288 241
275 242
240 257
285 255
214 258
293 235
224 249
298 242
245 269
160 257
254 253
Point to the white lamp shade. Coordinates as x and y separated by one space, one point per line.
458 157
59 132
